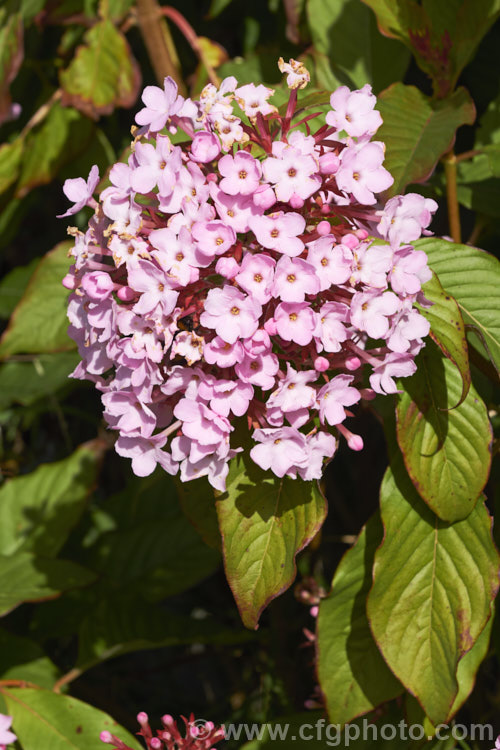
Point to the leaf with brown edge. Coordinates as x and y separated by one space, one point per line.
415 144
264 522
446 450
447 329
103 74
433 586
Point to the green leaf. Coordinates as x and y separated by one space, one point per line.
264 521
103 74
62 135
196 501
472 276
154 550
22 659
433 586
10 163
373 59
43 719
217 6
447 329
352 673
121 625
39 323
38 510
442 36
12 287
41 376
446 448
466 675
415 144
11 56
26 578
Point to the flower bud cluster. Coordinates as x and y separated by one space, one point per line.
236 276
198 735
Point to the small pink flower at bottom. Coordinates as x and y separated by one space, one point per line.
6 737
283 450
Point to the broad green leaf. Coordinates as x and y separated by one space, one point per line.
41 376
39 323
12 287
26 578
103 74
447 329
373 59
442 36
415 144
43 720
196 500
22 659
264 521
446 448
433 587
352 673
11 56
123 624
377 731
38 510
154 550
10 162
466 676
472 276
62 135
482 196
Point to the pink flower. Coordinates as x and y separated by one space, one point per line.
241 173
405 216
155 287
201 423
394 365
232 314
321 445
6 737
295 321
155 166
219 352
205 147
146 453
258 369
409 271
160 105
291 172
294 278
331 331
253 99
370 312
334 396
281 450
80 191
256 276
333 263
361 172
213 238
354 111
279 232
126 413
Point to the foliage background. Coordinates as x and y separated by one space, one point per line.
135 613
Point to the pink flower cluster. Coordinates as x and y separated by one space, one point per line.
198 735
247 273
6 736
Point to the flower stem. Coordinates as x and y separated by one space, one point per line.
159 44
185 27
450 172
